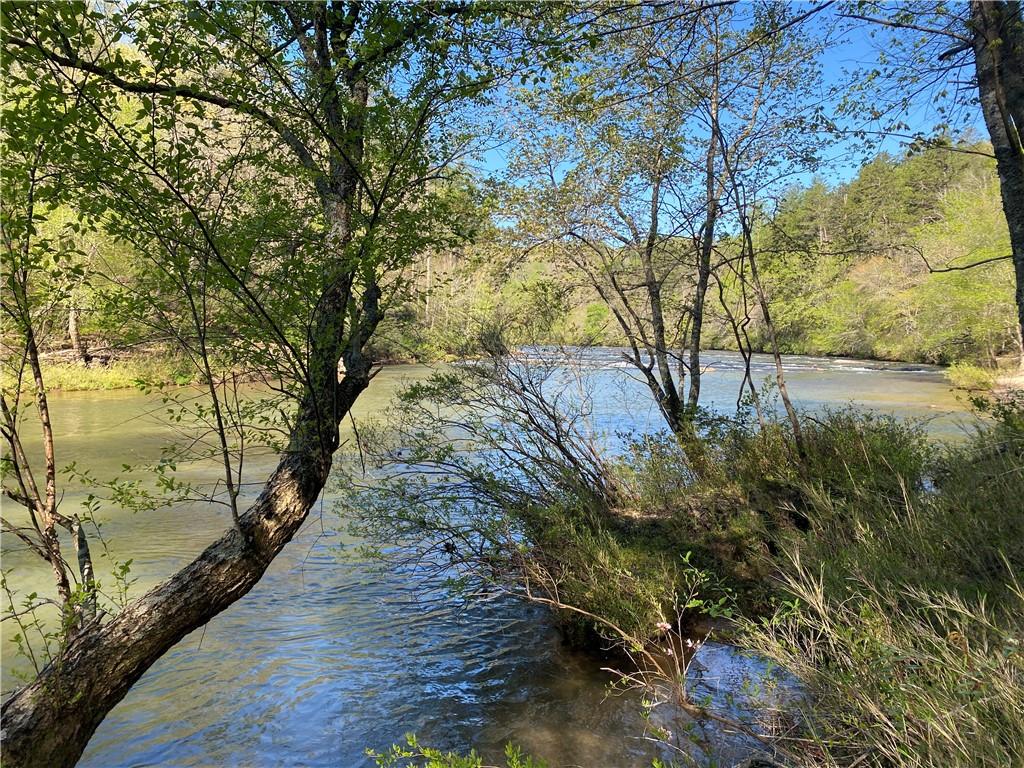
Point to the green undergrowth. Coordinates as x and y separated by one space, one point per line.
413 755
972 378
903 614
116 374
881 569
683 546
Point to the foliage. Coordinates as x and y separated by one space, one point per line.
495 467
849 270
902 615
264 175
970 377
413 755
269 189
492 471
844 268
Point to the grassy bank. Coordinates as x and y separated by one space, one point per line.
902 613
880 568
116 374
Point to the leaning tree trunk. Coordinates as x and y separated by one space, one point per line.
999 59
48 722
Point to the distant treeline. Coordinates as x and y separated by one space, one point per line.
873 268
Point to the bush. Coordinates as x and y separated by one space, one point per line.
971 377
413 755
903 616
885 567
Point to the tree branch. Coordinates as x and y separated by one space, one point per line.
302 152
907 25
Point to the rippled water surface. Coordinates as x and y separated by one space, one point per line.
328 656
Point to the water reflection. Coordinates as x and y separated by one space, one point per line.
326 658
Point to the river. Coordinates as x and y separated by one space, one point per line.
329 656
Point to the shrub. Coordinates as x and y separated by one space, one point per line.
903 616
413 755
970 377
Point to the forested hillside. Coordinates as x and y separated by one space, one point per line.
876 267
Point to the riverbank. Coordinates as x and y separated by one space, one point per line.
880 569
121 371
875 564
1011 381
117 374
116 370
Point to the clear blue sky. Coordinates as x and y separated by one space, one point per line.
855 49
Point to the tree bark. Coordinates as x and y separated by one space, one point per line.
999 61
773 340
77 344
699 296
50 721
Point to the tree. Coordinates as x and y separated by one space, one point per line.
656 146
342 106
29 258
889 264
932 47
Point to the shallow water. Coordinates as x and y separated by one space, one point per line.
330 655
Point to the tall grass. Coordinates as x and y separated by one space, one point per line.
117 374
903 615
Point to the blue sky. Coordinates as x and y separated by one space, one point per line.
854 49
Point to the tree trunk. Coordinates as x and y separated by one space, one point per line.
999 60
707 241
697 310
77 344
50 721
773 340
667 395
426 296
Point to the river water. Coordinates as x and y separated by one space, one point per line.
329 656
